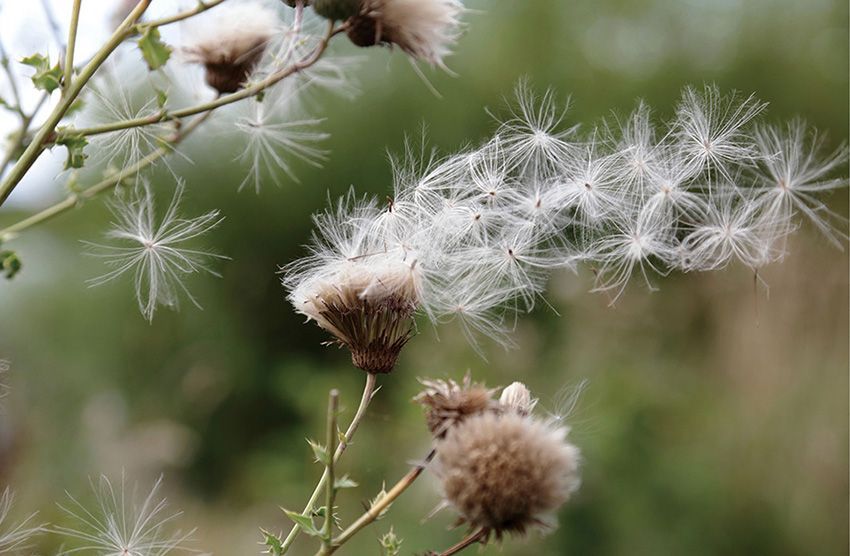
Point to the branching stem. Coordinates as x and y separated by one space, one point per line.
368 392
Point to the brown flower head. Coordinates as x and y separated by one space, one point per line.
368 306
424 29
231 42
507 472
448 403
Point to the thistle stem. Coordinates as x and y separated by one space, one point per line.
472 538
72 43
36 147
200 8
74 199
330 442
378 507
241 94
368 392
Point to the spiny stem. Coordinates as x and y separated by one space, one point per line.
368 392
76 198
36 147
330 443
72 43
378 507
472 538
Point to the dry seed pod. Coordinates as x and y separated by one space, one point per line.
448 403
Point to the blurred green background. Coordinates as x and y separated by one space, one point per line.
715 417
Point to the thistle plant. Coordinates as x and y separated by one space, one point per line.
470 238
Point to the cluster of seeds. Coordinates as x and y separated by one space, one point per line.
474 236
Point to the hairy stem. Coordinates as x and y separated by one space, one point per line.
72 44
368 392
36 147
330 443
378 507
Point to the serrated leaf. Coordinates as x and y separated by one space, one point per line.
320 452
345 482
75 143
45 78
303 521
390 543
155 52
273 543
10 264
380 496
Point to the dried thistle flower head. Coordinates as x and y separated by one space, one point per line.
518 398
368 306
424 29
231 42
448 403
507 472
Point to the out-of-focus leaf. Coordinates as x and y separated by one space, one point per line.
46 77
155 52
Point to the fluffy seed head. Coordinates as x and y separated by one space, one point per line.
232 43
508 472
448 403
424 29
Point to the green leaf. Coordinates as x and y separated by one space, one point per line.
75 143
161 98
76 106
321 453
155 52
345 482
272 543
303 521
380 496
10 264
46 78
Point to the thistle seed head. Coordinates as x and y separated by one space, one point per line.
231 46
367 309
448 403
424 29
507 472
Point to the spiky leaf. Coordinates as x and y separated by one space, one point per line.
303 521
155 52
10 264
75 143
320 452
272 542
345 482
46 77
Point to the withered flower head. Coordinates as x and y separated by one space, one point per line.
517 397
448 403
507 473
368 306
231 43
424 29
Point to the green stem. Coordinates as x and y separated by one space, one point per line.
378 507
330 443
368 392
36 147
72 43
76 198
201 7
247 92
